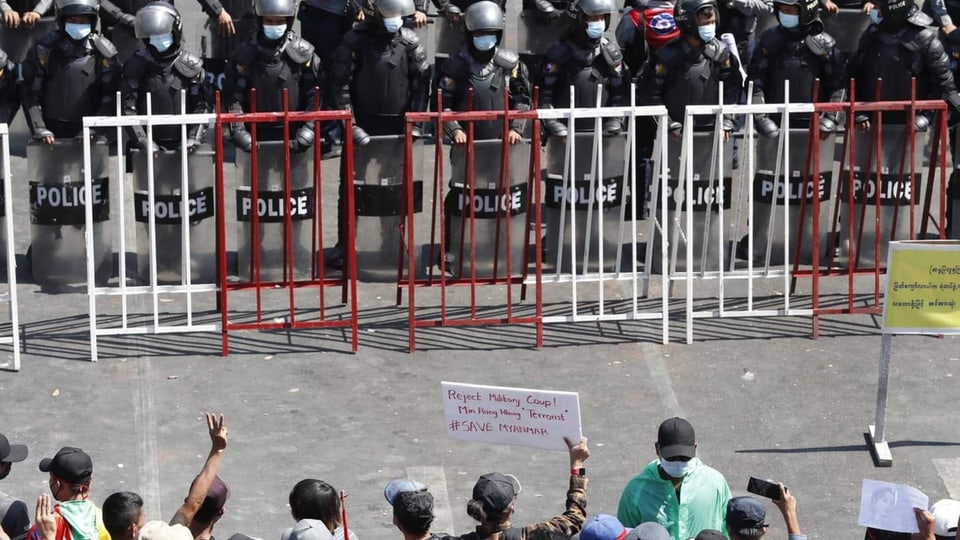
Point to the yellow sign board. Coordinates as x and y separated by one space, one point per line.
923 288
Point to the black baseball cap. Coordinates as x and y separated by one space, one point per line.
676 439
745 513
11 453
496 492
71 465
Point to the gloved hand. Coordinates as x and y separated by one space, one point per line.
127 21
728 124
555 128
303 140
242 139
143 145
921 123
828 123
675 127
42 134
861 118
360 136
545 7
766 126
611 127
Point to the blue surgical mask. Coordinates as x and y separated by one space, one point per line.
595 29
875 16
788 21
484 43
161 43
274 32
707 32
77 31
678 469
392 24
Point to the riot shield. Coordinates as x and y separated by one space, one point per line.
379 202
478 219
271 210
846 27
576 206
57 217
168 209
709 184
536 32
895 191
16 42
770 190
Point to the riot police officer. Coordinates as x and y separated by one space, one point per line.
274 59
645 24
163 69
797 50
897 47
122 14
689 70
381 71
584 58
739 17
69 73
486 68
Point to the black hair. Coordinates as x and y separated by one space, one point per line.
315 499
120 511
414 512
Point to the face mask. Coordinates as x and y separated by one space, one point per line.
678 469
875 16
161 43
77 31
788 21
274 32
484 43
707 32
392 24
595 29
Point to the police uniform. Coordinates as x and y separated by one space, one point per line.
291 65
381 76
65 80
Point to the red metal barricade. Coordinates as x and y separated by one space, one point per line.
461 245
863 192
297 287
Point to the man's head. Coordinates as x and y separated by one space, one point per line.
648 531
10 453
946 513
213 503
746 518
159 530
493 497
315 499
697 19
71 470
676 445
123 515
603 527
412 506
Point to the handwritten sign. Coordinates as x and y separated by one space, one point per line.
890 506
501 415
923 288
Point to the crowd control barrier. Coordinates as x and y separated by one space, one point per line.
10 333
280 228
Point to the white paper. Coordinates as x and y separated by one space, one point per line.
889 507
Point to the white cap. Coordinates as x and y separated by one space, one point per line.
945 512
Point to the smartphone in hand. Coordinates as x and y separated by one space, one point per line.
763 488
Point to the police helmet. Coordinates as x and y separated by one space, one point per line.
484 16
71 8
895 12
578 9
395 8
809 12
685 14
275 8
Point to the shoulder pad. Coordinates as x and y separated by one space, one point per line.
409 37
559 52
354 39
298 49
188 64
104 45
611 53
821 44
716 51
919 18
506 59
920 40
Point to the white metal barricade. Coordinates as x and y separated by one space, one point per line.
577 230
154 290
8 249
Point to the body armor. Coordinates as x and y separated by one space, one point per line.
584 66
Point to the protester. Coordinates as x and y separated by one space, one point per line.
313 501
412 508
14 516
946 514
74 516
746 517
603 527
654 494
